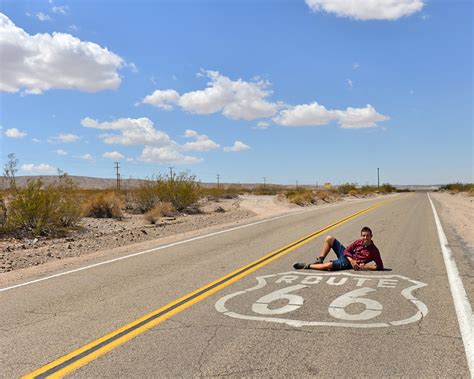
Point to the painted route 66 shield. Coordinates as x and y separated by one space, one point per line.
341 299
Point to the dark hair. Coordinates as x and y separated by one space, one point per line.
366 229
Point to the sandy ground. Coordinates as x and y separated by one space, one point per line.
108 237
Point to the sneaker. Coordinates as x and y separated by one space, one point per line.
320 260
300 265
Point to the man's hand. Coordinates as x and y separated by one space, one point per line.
354 264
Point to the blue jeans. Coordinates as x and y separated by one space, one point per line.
341 263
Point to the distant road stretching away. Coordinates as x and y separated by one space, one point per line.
230 304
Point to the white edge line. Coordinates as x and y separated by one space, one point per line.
163 247
461 302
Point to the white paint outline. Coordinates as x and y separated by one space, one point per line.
407 293
167 246
458 293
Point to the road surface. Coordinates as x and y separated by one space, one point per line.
230 304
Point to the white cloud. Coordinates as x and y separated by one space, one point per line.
315 114
202 143
61 9
350 84
37 63
15 133
86 157
263 125
64 138
305 115
36 140
355 66
60 152
115 155
236 99
367 9
158 146
356 118
236 147
41 169
43 17
138 131
163 99
167 154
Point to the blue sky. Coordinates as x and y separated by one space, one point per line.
311 91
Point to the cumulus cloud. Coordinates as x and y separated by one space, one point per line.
356 118
163 99
202 143
37 63
236 99
115 155
315 114
60 152
168 154
61 9
15 133
236 147
263 125
41 169
158 146
43 17
64 138
304 115
86 157
139 131
367 9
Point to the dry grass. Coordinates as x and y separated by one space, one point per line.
160 210
107 205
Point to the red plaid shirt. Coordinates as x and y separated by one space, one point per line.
364 254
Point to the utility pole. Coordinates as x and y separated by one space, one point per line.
378 178
264 181
296 184
118 175
171 172
218 177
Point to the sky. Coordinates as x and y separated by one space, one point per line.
274 91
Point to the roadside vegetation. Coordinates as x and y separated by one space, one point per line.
57 209
459 187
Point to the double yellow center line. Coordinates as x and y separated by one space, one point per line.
80 357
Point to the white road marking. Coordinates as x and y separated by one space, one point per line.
164 247
336 309
461 302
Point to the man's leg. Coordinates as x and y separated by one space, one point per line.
319 265
327 245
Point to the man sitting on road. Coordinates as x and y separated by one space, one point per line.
356 255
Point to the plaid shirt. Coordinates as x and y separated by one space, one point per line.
364 254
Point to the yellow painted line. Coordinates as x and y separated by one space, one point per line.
93 350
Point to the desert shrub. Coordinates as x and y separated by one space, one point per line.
213 193
300 196
367 189
43 211
353 192
145 197
160 210
3 213
181 190
387 188
459 187
106 205
265 190
346 188
323 195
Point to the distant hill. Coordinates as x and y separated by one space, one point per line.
83 182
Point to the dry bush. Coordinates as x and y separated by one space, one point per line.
353 193
266 190
35 210
161 209
346 188
301 197
106 205
323 195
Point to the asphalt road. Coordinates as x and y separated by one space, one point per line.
265 320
